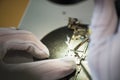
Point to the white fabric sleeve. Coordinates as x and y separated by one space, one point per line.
103 51
104 20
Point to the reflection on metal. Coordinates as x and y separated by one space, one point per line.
80 30
71 40
78 44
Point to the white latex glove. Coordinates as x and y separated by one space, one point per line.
12 39
53 69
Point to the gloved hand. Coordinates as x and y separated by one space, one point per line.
54 69
12 39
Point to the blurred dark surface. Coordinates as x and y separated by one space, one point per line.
66 2
117 3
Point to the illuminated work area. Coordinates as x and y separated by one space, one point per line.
48 40
71 40
63 28
59 39
60 33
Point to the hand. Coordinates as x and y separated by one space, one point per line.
12 39
52 69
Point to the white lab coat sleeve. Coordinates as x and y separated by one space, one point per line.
102 49
104 20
